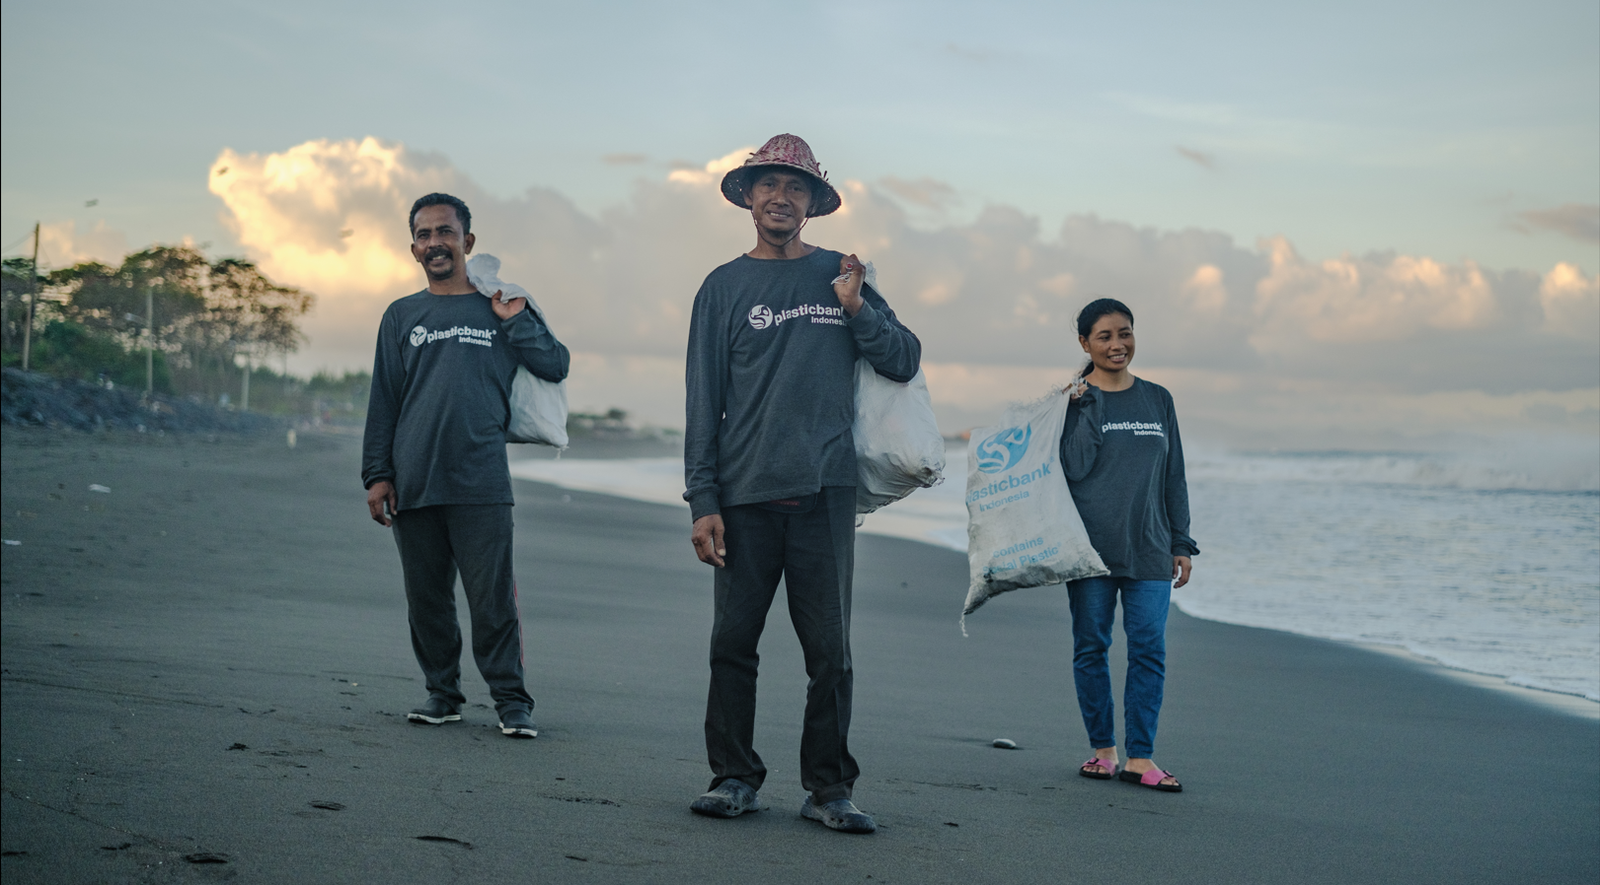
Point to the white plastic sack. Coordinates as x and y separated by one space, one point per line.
898 445
538 407
1022 527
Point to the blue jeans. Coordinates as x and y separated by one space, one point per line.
1144 621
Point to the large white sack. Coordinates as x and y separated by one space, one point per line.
898 445
538 407
1022 527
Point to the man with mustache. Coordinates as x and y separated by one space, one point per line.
770 471
434 461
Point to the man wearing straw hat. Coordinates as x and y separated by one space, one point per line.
770 470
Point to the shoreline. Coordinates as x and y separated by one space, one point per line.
1566 702
906 521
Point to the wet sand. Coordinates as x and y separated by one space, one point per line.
211 662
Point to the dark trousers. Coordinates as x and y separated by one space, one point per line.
473 539
814 554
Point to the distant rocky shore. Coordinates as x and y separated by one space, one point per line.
33 399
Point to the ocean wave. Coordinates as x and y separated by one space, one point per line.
1495 470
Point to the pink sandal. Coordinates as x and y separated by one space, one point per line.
1098 769
1152 779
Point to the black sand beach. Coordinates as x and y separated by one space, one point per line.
206 672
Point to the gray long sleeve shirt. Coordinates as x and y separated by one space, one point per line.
771 380
441 387
1124 464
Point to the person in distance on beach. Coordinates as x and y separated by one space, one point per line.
770 470
1123 461
434 461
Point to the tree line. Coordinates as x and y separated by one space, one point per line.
170 318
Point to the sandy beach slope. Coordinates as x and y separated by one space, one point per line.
210 663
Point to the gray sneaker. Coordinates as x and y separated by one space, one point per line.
840 814
731 798
518 723
435 711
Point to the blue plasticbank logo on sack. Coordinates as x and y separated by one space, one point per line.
1004 449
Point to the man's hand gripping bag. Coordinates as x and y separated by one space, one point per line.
898 445
1022 527
538 407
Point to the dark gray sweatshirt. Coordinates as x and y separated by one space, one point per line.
771 380
1124 465
441 387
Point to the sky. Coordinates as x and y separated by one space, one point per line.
1347 225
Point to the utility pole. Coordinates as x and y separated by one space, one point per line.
149 341
244 396
33 297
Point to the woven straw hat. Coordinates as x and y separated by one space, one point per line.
790 151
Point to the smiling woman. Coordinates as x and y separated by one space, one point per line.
1123 461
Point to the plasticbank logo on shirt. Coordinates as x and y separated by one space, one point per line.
763 317
1139 428
465 334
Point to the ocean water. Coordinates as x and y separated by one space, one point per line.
1459 559
1447 558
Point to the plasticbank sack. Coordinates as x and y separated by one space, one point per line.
538 407
1022 527
898 445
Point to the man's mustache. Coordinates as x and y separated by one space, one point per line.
436 252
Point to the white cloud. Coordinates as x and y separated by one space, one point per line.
713 171
1361 299
61 244
329 216
1571 302
994 298
1205 289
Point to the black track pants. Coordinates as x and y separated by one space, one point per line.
814 554
474 539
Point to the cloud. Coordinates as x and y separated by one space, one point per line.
1371 298
1205 289
1580 221
292 211
1198 158
965 53
1260 411
928 193
1571 302
712 172
1255 334
61 244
